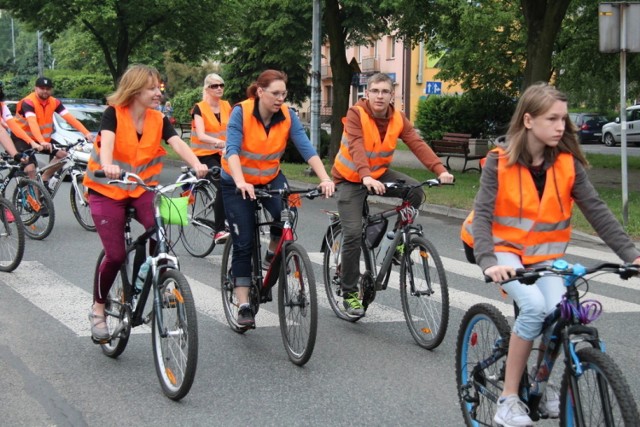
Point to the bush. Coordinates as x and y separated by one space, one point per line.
91 92
479 113
183 102
291 154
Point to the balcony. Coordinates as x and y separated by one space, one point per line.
325 72
369 65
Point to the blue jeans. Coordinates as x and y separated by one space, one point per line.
534 301
241 215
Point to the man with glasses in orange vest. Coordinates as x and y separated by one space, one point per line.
34 114
372 128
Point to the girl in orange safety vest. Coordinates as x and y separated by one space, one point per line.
522 218
130 136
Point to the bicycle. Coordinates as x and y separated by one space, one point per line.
424 291
198 235
593 390
291 267
173 313
11 237
75 169
30 198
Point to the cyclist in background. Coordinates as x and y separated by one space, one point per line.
257 136
371 130
9 122
131 133
522 218
208 136
34 114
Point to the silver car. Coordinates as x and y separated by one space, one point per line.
611 131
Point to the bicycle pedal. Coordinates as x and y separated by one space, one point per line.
147 319
102 341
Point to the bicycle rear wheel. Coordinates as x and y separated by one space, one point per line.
298 304
602 391
198 234
229 300
117 313
80 205
175 335
35 207
11 237
483 329
424 293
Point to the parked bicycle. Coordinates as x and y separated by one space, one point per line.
593 392
291 268
31 199
422 281
11 237
173 312
75 169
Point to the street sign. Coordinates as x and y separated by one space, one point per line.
433 88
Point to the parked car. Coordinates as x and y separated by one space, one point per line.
589 126
89 114
611 134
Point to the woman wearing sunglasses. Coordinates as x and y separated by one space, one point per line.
208 139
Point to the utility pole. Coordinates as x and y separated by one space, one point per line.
40 55
315 79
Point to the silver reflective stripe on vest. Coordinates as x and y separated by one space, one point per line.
550 248
259 172
46 131
348 163
554 226
527 225
260 157
374 155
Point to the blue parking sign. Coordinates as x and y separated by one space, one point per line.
433 88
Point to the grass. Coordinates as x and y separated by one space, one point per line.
461 194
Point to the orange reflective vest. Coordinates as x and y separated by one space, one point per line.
535 229
260 153
142 157
44 115
380 153
212 127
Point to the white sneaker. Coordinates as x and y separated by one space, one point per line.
550 403
512 413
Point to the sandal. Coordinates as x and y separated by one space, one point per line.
99 329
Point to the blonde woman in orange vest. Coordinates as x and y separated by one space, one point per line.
34 114
372 128
257 136
522 218
131 133
208 136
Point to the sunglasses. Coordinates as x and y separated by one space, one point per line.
216 86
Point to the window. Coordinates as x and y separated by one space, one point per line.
391 47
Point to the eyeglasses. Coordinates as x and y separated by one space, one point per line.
276 95
376 92
216 86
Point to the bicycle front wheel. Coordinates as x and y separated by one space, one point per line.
118 315
602 392
198 234
11 237
175 335
35 207
424 293
483 330
298 304
80 205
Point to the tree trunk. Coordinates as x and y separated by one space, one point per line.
543 20
340 69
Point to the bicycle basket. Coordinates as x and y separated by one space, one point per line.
374 232
173 210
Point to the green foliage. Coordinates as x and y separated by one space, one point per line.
183 102
291 154
91 92
480 113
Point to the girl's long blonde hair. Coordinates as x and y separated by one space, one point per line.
133 82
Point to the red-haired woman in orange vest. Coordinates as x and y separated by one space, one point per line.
257 136
131 133
522 218
208 138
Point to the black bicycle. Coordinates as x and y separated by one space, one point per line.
11 237
424 291
291 268
593 392
31 199
173 313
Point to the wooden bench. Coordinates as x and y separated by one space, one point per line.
185 130
455 145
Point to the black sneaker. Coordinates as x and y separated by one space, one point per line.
245 316
266 262
44 211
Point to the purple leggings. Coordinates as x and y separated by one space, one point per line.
109 217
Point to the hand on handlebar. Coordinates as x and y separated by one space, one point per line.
446 178
90 137
498 273
112 171
246 189
328 188
373 185
201 170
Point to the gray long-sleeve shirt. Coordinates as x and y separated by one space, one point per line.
584 195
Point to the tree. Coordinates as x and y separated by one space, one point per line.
121 27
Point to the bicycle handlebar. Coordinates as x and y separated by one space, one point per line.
130 178
402 185
529 276
309 193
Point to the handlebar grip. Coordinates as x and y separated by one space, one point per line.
100 174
